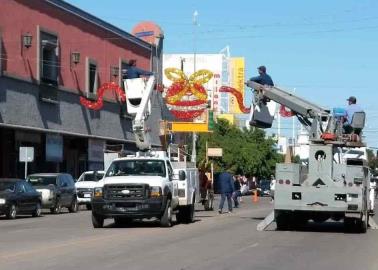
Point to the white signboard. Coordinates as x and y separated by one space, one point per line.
214 152
26 154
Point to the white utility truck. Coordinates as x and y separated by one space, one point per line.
147 184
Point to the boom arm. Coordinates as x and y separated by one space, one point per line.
308 113
141 112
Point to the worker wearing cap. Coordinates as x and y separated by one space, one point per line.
349 112
263 78
352 108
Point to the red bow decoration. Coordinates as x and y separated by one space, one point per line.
284 112
98 104
237 95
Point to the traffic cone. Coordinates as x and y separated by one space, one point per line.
255 198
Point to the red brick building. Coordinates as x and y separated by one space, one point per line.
51 54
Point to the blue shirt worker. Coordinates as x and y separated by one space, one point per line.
133 72
263 78
349 112
352 108
226 188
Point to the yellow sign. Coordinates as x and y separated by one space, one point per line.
237 81
227 116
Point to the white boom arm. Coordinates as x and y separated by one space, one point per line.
140 111
309 114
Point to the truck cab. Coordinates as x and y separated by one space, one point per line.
138 187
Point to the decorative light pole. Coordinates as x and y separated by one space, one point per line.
195 24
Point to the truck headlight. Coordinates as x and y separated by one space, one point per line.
2 201
155 192
97 192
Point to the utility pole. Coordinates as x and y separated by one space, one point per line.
195 24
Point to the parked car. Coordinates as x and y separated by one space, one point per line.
18 197
85 185
57 190
264 188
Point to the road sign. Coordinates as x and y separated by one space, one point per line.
214 152
26 154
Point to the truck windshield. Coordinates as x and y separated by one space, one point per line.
42 180
137 167
92 177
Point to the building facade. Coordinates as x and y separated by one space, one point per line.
53 53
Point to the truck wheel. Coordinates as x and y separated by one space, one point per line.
186 214
12 212
166 219
57 208
73 208
89 207
282 221
97 221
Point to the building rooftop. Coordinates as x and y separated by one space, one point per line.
100 23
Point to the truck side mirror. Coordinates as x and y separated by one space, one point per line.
182 175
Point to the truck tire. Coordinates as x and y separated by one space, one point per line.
282 221
73 208
186 214
57 207
89 207
166 219
97 221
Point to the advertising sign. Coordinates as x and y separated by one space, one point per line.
237 81
54 148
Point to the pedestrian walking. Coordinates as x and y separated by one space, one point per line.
237 191
226 188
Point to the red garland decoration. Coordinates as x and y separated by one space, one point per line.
98 104
284 112
237 95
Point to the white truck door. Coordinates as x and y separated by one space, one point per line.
175 198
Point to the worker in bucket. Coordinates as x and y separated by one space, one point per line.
263 77
133 72
349 112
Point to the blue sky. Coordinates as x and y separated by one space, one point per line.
326 49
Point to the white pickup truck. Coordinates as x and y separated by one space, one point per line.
146 185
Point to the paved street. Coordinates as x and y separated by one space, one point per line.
227 241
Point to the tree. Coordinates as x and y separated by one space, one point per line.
245 151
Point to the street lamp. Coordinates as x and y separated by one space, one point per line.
195 24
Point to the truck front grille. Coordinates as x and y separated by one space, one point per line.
126 191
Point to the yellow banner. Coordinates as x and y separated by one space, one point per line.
237 81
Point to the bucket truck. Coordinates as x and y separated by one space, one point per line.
332 185
147 184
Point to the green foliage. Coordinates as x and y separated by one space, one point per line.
244 151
